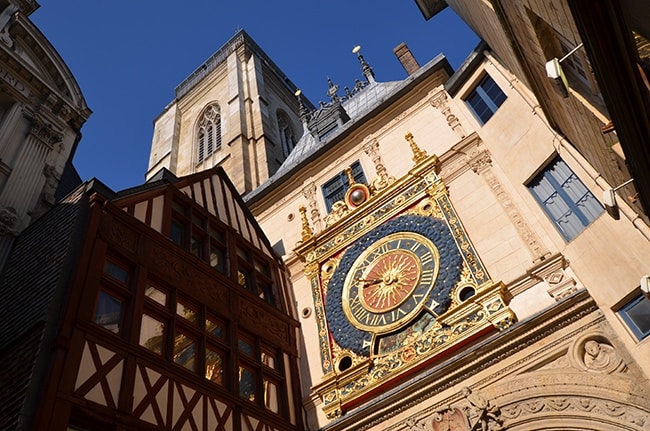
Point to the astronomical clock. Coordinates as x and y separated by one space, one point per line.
396 285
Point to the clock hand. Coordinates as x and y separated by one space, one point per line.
366 283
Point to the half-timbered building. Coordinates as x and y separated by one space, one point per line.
160 307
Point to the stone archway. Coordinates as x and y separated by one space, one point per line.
589 387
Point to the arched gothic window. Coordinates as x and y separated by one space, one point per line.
287 137
209 133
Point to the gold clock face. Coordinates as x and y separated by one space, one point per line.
389 282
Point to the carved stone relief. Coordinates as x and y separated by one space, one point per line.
585 385
560 285
594 353
8 221
309 192
474 413
439 100
42 131
383 180
49 188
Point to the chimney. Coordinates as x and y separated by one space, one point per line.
405 57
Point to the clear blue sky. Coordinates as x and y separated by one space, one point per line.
128 56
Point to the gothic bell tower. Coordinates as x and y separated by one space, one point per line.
236 110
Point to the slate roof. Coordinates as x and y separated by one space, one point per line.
33 288
362 106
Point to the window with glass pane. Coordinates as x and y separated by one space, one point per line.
117 272
185 350
636 314
485 99
214 327
218 253
108 312
245 346
268 359
271 397
245 279
186 311
246 383
218 258
265 291
155 295
214 366
152 333
177 233
334 189
209 132
196 247
565 199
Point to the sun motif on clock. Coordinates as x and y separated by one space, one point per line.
389 280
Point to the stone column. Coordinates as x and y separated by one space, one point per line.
23 187
8 129
26 180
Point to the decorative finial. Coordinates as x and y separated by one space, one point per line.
307 233
302 111
418 154
365 67
332 91
348 172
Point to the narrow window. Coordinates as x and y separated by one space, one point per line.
209 133
565 199
334 189
485 99
287 137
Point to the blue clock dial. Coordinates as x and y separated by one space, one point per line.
388 276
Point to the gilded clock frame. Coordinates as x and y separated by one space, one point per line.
421 192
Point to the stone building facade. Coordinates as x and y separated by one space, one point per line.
590 108
566 293
42 110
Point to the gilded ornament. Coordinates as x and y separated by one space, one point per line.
307 233
419 155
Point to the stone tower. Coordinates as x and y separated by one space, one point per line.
237 110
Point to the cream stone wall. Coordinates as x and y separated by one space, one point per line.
163 150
